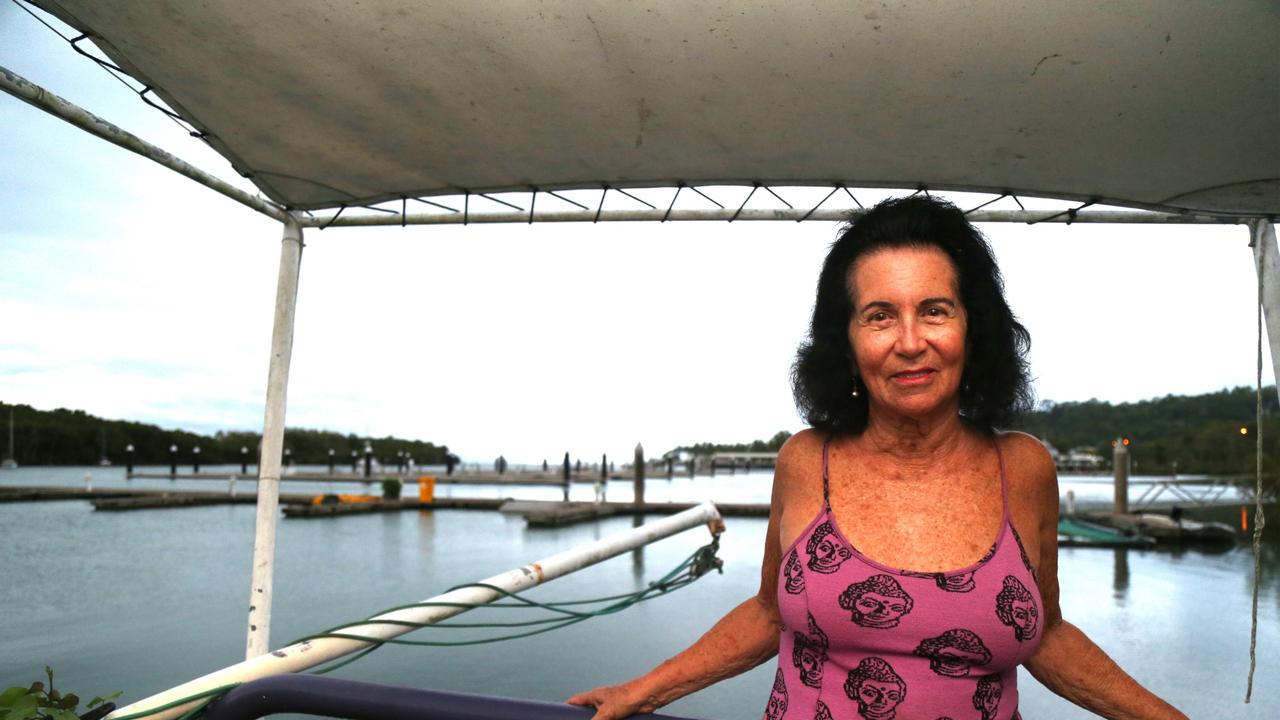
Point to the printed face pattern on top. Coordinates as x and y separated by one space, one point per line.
864 640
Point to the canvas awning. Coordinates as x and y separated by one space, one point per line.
1159 104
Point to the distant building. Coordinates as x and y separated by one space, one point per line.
1081 459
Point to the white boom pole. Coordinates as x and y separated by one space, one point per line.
264 539
1266 260
29 92
310 653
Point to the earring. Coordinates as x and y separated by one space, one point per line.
855 387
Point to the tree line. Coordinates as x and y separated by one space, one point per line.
773 444
1201 433
74 437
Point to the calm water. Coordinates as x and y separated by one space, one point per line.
145 600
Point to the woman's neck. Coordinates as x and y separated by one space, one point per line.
915 439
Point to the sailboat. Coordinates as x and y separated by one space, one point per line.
103 461
9 463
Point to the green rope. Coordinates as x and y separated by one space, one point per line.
211 694
693 567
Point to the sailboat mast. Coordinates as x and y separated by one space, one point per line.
10 460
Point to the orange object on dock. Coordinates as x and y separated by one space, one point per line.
426 488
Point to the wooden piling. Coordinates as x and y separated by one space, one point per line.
1120 463
639 468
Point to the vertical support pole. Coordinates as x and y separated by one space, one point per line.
1266 260
566 477
264 539
639 468
1120 463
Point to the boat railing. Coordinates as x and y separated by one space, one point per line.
335 697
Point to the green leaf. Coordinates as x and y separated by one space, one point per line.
99 699
8 697
36 687
70 701
63 715
26 706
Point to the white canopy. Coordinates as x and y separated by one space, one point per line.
1160 104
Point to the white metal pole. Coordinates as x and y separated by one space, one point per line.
310 653
264 539
1266 260
748 215
29 92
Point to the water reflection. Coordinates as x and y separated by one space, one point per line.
1120 576
637 556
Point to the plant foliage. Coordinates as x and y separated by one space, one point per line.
41 702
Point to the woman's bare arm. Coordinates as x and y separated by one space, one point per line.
742 639
1067 661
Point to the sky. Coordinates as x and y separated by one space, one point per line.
133 293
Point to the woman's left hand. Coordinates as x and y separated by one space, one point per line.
614 702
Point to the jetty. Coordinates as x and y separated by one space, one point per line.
311 505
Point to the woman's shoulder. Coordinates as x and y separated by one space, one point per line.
801 449
1028 462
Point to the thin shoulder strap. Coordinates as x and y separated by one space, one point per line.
1004 483
826 484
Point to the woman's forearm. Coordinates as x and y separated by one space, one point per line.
1071 665
743 639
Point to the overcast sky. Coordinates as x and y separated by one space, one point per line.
130 292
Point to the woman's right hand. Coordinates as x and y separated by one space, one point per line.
614 702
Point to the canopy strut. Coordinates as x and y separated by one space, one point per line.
264 539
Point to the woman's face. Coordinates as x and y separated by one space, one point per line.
908 329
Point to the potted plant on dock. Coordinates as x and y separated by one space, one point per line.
391 489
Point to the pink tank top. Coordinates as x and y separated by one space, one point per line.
864 640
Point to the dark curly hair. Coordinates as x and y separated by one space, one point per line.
996 385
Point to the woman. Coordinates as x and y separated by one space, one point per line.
882 591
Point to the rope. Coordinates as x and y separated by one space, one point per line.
702 561
692 568
1259 520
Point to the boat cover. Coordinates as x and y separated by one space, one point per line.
1162 104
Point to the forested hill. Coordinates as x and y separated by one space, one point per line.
773 444
73 437
1200 432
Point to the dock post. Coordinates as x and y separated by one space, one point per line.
368 459
88 482
330 461
671 468
1120 463
195 460
128 462
173 461
639 468
1071 503
566 477
268 506
244 460
603 484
